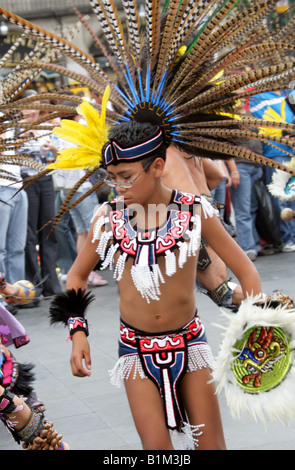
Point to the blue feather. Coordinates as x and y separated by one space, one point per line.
148 84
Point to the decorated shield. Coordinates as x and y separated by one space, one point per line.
255 364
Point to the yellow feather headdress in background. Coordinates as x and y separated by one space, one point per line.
271 115
89 139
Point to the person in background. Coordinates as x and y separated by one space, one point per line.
272 106
244 197
41 209
14 219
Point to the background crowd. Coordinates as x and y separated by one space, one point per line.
28 248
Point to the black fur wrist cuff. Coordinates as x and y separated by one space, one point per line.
69 304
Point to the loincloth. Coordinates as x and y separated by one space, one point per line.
164 358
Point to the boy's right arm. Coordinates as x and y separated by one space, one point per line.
77 279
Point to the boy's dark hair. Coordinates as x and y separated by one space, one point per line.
132 132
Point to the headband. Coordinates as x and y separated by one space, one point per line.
114 153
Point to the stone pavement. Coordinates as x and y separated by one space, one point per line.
90 412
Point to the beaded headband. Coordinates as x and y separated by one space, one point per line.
115 153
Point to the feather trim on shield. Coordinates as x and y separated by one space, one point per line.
255 363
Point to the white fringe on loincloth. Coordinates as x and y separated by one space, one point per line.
199 356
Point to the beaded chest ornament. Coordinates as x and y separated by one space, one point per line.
182 231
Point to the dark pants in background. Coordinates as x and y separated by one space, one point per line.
41 198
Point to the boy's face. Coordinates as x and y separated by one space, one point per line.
142 181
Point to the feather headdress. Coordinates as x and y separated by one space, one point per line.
166 70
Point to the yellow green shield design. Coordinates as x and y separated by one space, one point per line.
265 359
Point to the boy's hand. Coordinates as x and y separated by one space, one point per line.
80 352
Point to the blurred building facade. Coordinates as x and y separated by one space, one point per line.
56 16
30 9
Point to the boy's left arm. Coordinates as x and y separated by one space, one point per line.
233 256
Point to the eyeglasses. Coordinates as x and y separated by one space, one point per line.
124 184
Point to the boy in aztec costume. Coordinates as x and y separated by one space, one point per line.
155 256
171 92
20 410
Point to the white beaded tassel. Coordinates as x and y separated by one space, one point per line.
103 244
195 236
207 207
120 266
157 277
188 438
183 253
123 368
143 280
170 263
108 261
199 357
97 229
101 221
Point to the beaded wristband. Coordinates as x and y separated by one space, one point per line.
77 324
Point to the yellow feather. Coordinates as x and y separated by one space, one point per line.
71 131
77 158
88 139
90 114
104 103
